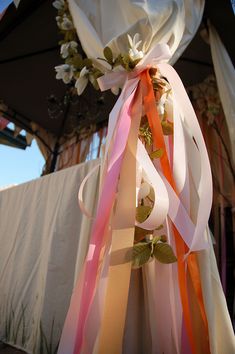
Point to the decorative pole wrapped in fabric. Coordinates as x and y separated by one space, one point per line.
156 194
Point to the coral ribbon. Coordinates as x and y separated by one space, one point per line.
158 138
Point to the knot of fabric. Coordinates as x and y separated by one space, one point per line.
160 53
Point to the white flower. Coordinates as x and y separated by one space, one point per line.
134 53
82 81
58 20
144 190
165 105
64 49
58 4
64 72
64 23
161 104
115 90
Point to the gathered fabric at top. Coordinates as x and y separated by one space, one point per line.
107 23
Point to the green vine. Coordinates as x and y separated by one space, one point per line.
78 71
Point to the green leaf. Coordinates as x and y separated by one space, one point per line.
159 227
156 154
77 61
158 85
156 239
76 75
151 195
141 254
69 35
167 127
95 84
163 238
126 61
97 73
108 54
133 63
164 253
118 61
142 212
87 62
62 42
141 233
146 133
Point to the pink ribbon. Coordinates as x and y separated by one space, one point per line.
119 126
101 223
118 131
103 215
158 54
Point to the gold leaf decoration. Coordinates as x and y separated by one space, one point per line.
156 154
167 127
146 134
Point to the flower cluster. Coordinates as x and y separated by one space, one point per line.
78 70
134 53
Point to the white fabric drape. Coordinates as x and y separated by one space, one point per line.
173 22
225 76
17 2
104 22
221 333
44 238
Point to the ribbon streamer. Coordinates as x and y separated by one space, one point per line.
171 190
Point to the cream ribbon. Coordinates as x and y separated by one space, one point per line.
167 202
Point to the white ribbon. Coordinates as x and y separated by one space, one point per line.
161 205
158 54
81 189
128 81
204 189
166 200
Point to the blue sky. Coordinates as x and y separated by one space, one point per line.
18 166
233 5
4 4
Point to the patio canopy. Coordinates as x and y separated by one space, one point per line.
29 51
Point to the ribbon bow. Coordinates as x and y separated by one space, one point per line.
160 53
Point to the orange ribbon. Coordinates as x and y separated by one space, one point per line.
181 248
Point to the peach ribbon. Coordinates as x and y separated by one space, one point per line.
155 125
